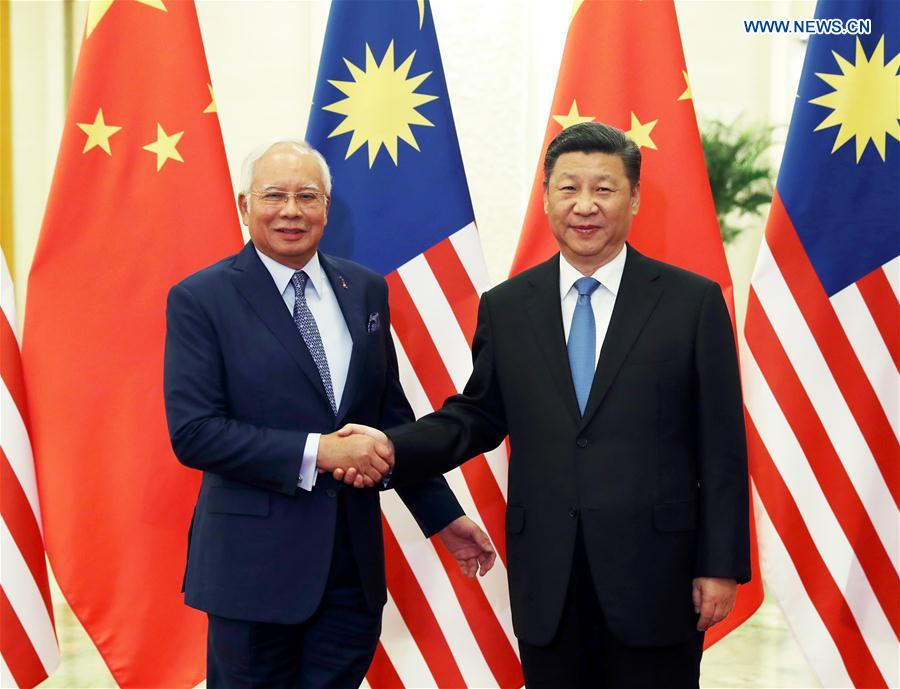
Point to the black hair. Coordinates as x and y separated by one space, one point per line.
595 137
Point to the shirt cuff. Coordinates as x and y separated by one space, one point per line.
308 473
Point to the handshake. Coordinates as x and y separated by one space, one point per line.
358 455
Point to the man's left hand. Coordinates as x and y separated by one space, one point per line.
469 545
713 600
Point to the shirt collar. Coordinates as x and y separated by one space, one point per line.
609 274
283 274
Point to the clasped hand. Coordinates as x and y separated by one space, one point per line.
358 455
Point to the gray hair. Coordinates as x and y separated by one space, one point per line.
250 162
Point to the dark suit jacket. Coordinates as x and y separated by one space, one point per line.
242 392
656 469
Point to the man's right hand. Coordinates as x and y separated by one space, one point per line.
356 459
350 476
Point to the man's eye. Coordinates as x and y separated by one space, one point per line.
273 197
307 197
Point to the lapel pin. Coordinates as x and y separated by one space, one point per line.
343 281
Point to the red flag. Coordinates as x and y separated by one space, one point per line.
623 65
141 197
28 642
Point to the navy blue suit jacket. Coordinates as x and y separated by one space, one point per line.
242 393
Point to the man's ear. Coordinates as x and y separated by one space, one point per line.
327 208
244 207
635 198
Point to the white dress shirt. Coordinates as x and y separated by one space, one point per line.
603 298
336 340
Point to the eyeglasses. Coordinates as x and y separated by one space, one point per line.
307 198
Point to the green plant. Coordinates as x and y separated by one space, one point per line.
740 177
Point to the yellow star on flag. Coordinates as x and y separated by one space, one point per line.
640 133
686 95
864 100
98 133
380 105
212 104
573 117
164 147
98 8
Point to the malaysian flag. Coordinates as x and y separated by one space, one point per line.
28 643
820 358
381 116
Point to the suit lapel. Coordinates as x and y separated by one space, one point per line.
255 283
352 300
545 310
638 294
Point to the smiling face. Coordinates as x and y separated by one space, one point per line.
589 204
285 233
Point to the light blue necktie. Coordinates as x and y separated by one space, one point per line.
582 343
309 331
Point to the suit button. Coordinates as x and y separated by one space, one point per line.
573 512
331 493
582 442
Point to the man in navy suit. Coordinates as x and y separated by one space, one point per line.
268 352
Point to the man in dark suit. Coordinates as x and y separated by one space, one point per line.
615 377
267 353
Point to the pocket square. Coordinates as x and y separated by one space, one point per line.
374 322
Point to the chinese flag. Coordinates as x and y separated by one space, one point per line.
623 65
141 197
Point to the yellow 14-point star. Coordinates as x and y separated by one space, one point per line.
98 133
640 133
864 102
164 147
573 117
381 104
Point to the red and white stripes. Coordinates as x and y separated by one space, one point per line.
441 629
28 641
821 394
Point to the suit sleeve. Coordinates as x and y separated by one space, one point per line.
467 425
203 434
724 527
430 501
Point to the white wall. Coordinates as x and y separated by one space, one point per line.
37 82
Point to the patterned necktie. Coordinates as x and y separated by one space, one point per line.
306 324
582 344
